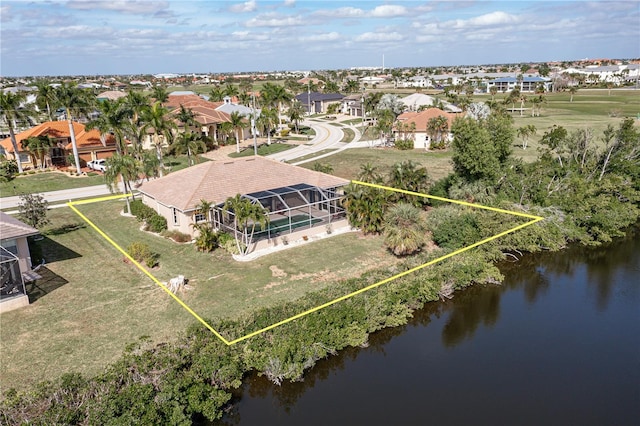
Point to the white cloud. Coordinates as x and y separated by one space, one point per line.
379 37
249 6
273 20
389 11
332 36
5 13
125 6
289 3
493 18
342 12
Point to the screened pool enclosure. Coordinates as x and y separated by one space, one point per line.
11 283
289 208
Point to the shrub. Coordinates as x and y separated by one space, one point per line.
156 223
177 236
207 239
8 170
231 246
141 210
142 253
404 144
223 237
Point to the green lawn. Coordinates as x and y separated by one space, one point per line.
346 164
47 181
263 150
92 303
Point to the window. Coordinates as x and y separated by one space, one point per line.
175 216
11 246
199 217
25 158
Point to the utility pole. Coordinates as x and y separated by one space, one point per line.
253 124
308 98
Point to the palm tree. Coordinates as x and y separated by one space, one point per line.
124 167
216 94
295 113
437 127
493 90
245 215
207 238
524 132
369 173
410 176
268 118
12 111
38 147
188 142
405 230
365 207
75 102
352 86
136 103
46 97
155 117
231 90
238 123
160 94
272 95
187 117
111 120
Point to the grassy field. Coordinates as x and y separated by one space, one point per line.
346 164
263 150
91 303
47 181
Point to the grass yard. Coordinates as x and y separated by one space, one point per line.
263 149
346 164
47 181
91 303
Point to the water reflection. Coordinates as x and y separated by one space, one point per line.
479 308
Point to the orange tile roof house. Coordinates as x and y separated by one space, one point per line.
206 113
15 262
297 199
90 145
422 140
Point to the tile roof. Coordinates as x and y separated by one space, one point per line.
422 118
59 130
205 111
215 181
11 228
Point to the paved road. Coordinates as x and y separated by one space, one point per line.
59 197
328 136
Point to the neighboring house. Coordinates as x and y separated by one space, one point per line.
422 139
415 101
111 95
370 80
89 143
417 81
206 113
526 84
15 262
352 105
317 102
616 74
300 202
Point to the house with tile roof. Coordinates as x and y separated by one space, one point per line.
299 202
15 262
421 137
91 144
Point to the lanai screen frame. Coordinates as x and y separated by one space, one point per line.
12 284
321 206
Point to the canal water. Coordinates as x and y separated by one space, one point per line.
558 343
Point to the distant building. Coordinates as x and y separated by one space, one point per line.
525 84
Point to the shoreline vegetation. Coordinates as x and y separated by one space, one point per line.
586 185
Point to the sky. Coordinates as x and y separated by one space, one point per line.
89 37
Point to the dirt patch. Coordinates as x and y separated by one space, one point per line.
277 272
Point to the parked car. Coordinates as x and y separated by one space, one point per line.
97 165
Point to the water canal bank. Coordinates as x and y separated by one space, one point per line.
557 343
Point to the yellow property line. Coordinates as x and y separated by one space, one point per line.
334 301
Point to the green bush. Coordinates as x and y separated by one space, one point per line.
404 144
141 252
207 239
223 237
8 170
156 223
141 210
